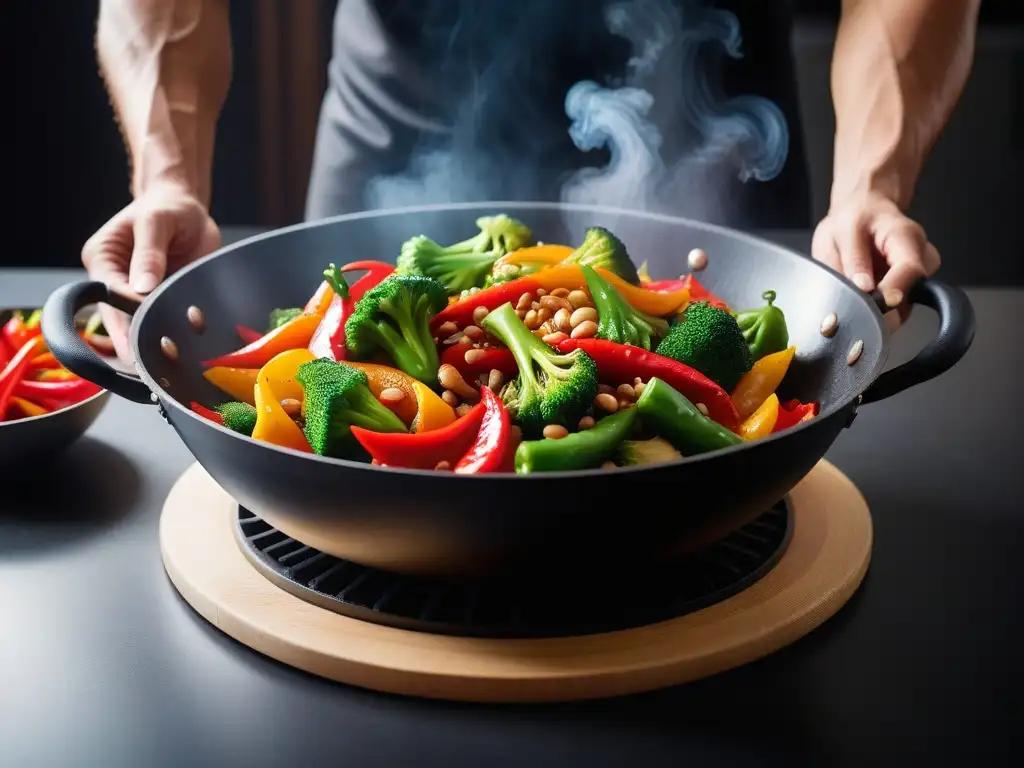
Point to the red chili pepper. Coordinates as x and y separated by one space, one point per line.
205 412
461 312
621 363
499 358
792 412
329 338
17 331
488 451
699 293
423 450
12 374
55 395
247 334
44 361
6 353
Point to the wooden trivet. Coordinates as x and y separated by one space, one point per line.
824 564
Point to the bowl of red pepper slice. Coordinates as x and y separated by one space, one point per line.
44 407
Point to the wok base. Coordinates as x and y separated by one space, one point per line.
763 588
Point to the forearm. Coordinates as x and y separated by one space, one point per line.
167 68
897 72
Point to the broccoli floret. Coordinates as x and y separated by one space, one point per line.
395 316
239 417
466 264
617 320
338 396
550 388
279 317
709 339
600 248
657 450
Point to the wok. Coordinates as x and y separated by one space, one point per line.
439 524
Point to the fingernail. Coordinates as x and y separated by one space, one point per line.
863 281
144 283
893 297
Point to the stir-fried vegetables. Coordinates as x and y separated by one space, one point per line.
498 353
32 381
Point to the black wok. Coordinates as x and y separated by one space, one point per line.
436 523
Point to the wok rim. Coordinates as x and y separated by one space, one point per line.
750 239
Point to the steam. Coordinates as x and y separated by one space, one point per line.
717 139
674 142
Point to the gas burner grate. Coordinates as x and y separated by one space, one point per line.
518 608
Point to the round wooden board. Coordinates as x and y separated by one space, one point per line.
822 567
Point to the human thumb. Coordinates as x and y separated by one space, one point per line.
153 232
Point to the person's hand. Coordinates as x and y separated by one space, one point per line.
871 241
159 232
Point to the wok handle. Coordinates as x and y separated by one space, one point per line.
71 350
956 333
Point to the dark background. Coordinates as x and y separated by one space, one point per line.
66 169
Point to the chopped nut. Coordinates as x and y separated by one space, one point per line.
547 327
169 348
697 259
555 432
391 396
578 298
196 319
292 407
531 319
463 409
474 356
525 301
521 314
555 338
830 325
702 408
455 338
606 402
582 315
442 466
495 379
560 292
543 315
855 352
609 465
555 303
563 320
515 432
585 330
625 392
449 397
638 389
473 332
541 292
587 422
479 314
450 378
447 329
637 380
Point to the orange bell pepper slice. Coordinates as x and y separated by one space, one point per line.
762 421
760 381
27 407
548 254
655 303
275 382
431 411
381 377
237 382
294 334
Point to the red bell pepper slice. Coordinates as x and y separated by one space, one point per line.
12 374
493 358
44 361
17 330
6 353
461 312
488 451
621 363
247 334
697 291
424 450
55 395
205 412
792 412
329 338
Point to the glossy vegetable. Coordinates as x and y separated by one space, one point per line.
54 395
586 449
675 418
656 450
488 451
293 334
761 381
275 382
28 409
431 411
762 421
601 249
620 364
764 329
617 320
483 360
708 338
18 330
792 412
10 376
329 338
423 450
381 377
526 261
238 417
239 383
206 413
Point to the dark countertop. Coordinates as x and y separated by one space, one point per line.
102 664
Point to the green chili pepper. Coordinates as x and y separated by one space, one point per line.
580 450
764 329
663 409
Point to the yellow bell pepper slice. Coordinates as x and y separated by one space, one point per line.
762 421
28 408
237 382
432 412
655 303
381 377
760 381
275 382
537 254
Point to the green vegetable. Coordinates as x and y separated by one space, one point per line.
709 339
600 248
618 321
764 329
337 397
465 264
279 317
657 450
664 410
395 316
580 450
239 417
550 388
